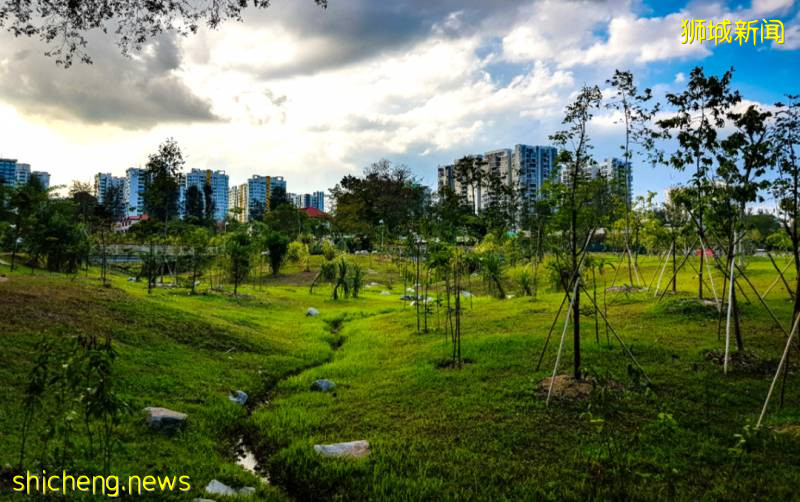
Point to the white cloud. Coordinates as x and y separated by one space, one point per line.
297 103
791 36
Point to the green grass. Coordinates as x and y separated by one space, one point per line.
481 432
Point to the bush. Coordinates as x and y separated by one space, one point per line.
523 279
328 250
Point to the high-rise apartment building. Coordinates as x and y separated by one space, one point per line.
8 172
133 191
238 205
104 181
524 168
23 173
318 200
619 175
531 167
218 182
43 177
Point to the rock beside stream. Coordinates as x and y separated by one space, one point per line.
216 487
350 449
323 385
163 418
238 397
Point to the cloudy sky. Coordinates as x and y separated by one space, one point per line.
313 94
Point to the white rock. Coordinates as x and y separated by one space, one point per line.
312 312
218 488
465 294
351 449
215 487
164 418
238 397
385 293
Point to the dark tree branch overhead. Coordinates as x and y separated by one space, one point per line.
63 24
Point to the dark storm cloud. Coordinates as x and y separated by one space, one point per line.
136 92
350 31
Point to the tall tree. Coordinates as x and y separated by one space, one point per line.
208 202
742 162
161 190
238 247
636 114
786 187
700 113
386 192
114 203
577 198
25 202
194 205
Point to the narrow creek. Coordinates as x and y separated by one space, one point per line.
244 450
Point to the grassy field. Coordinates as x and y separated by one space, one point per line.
436 433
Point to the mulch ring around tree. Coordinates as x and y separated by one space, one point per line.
746 362
566 388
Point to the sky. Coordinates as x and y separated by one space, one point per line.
314 94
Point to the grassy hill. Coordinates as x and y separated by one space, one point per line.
436 432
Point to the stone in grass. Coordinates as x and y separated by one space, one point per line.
385 293
215 487
312 312
351 449
238 397
323 385
465 294
163 418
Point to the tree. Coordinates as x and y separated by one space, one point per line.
700 112
63 24
742 162
85 202
25 202
197 240
161 189
238 247
56 238
208 202
114 203
277 243
194 204
386 192
636 115
786 188
278 198
578 199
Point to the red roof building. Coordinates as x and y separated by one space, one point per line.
313 212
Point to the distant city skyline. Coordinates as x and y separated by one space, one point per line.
314 95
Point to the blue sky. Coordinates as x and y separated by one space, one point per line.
312 94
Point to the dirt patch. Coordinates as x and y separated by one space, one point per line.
449 364
625 289
746 362
566 387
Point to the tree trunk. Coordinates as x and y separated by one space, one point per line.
576 332
674 267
